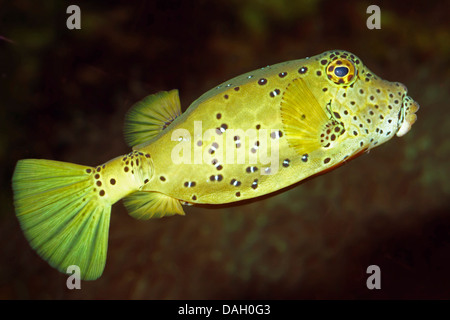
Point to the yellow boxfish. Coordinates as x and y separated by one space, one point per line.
252 135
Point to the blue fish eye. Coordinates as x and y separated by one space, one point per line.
341 71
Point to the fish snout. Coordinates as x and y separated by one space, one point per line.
409 109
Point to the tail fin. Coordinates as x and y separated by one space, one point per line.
62 215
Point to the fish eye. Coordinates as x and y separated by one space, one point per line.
341 71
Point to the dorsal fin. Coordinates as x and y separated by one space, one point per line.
147 118
146 205
302 116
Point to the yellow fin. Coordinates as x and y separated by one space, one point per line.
302 116
61 215
146 205
147 118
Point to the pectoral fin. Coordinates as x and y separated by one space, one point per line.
306 123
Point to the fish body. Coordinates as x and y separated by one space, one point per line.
250 136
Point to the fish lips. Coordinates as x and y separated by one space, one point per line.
410 107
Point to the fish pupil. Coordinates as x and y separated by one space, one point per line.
341 71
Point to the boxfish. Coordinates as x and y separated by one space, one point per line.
253 135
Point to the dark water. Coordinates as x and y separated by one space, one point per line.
64 94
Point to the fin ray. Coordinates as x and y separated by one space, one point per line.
61 216
146 205
147 118
302 116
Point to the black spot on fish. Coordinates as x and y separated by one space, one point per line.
222 129
189 184
276 134
302 70
251 169
274 93
235 182
218 177
262 81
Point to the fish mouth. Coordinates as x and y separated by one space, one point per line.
408 116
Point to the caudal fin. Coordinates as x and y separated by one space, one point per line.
62 215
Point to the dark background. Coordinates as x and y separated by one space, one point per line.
64 94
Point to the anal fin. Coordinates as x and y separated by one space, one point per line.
147 205
147 118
